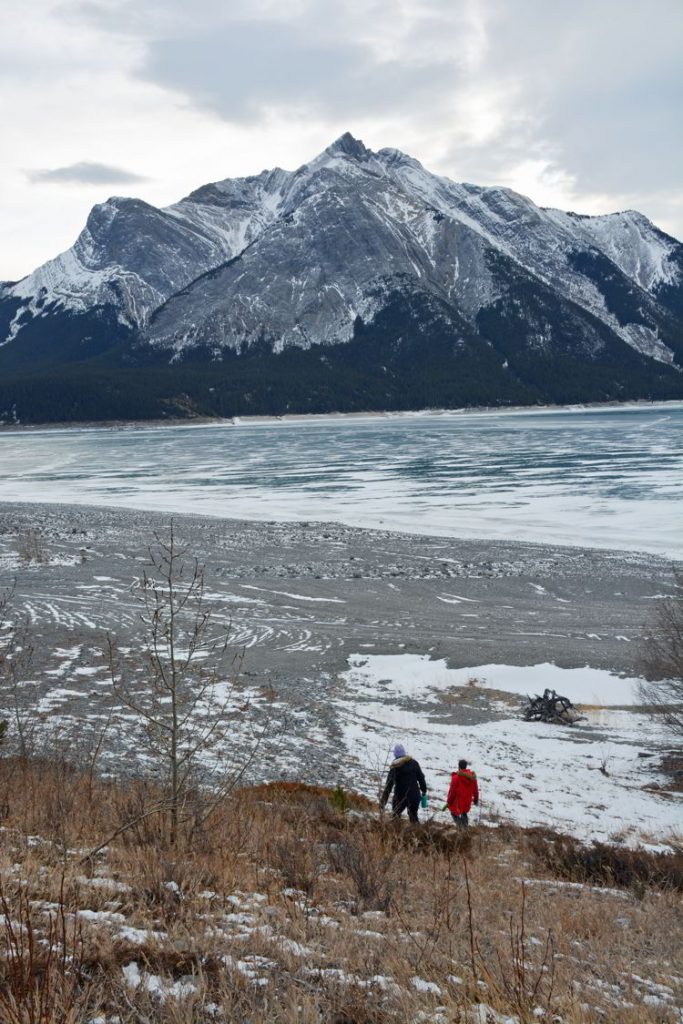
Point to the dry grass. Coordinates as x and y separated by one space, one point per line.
299 904
601 864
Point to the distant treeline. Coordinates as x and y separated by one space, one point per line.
406 359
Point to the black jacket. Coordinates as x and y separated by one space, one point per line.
407 781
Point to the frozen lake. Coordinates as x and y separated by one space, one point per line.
608 478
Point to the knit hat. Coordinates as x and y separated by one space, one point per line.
399 751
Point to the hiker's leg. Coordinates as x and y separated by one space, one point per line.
412 812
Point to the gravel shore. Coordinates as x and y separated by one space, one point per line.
300 598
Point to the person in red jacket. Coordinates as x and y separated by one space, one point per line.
463 792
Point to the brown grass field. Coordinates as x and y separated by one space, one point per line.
293 903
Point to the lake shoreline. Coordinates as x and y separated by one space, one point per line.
139 515
330 417
606 479
460 599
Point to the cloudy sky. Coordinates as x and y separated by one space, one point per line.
576 103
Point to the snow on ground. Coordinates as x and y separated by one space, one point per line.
269 919
587 780
11 562
160 987
413 674
54 698
295 597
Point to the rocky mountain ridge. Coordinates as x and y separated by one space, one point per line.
365 252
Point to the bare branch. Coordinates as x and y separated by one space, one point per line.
174 685
662 661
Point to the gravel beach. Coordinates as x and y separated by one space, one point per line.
302 598
304 595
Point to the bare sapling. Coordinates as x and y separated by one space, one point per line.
178 687
16 657
662 660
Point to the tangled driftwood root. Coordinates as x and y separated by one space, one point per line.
550 707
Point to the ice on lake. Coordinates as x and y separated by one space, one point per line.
610 478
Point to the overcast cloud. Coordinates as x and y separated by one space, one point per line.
84 173
575 104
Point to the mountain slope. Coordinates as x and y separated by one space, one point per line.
362 251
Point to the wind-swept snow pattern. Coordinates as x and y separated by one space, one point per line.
350 640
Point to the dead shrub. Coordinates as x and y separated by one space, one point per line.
360 1007
432 837
296 860
524 977
32 548
142 829
43 977
368 870
302 794
607 865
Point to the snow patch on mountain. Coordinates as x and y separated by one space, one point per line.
293 258
630 240
647 341
65 280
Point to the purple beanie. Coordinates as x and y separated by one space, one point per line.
399 750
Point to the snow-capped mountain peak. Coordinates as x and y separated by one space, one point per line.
347 145
294 259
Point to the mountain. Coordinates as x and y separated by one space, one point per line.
359 281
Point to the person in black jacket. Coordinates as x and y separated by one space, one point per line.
408 783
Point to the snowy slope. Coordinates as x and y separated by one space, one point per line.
345 239
544 241
354 227
630 240
134 257
299 258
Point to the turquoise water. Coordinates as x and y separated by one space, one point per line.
607 478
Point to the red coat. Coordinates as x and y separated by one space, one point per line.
463 791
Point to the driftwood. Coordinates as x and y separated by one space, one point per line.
550 707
